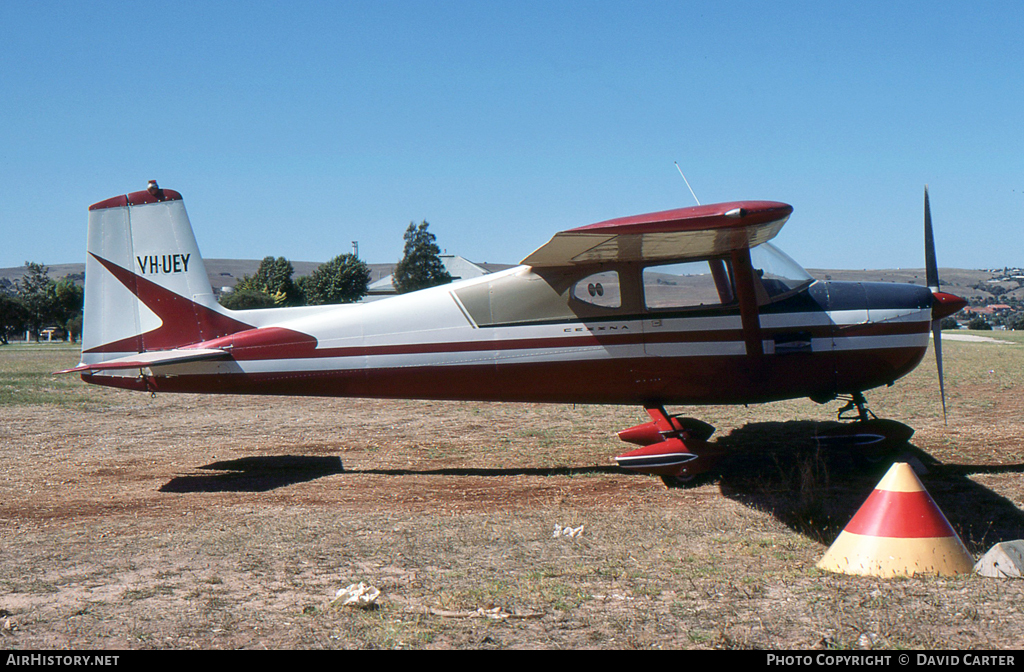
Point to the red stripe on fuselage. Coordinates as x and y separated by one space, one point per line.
260 344
279 343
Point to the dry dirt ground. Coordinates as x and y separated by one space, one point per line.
230 522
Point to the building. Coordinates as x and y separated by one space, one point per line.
458 267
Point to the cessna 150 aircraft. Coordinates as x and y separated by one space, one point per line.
687 306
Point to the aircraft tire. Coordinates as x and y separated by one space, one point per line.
687 481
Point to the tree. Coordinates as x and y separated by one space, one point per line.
45 302
979 324
247 299
13 316
66 299
421 265
32 292
74 326
274 277
344 279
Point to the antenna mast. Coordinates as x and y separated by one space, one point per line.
687 182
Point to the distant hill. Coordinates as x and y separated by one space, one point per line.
977 286
57 271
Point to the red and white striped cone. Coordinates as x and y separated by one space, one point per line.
898 531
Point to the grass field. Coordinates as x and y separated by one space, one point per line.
230 522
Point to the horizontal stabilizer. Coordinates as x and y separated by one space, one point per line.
151 359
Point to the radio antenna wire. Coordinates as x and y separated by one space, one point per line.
687 182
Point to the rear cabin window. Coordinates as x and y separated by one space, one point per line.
600 289
517 298
694 284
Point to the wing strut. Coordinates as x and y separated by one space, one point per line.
743 273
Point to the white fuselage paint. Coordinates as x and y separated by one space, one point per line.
434 317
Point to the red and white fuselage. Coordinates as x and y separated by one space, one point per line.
601 314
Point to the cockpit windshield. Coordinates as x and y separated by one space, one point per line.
778 272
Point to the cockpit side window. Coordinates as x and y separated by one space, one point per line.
693 284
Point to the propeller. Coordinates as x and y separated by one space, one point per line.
943 304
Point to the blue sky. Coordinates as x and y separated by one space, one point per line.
295 128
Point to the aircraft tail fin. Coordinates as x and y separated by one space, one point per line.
146 286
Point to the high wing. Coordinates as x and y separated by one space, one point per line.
684 233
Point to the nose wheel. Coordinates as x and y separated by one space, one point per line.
869 438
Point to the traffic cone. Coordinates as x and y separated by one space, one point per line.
898 531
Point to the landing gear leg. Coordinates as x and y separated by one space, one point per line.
672 447
857 401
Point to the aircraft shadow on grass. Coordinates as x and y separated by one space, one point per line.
260 474
256 474
776 467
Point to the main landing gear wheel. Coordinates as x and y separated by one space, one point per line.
672 447
871 440
687 481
